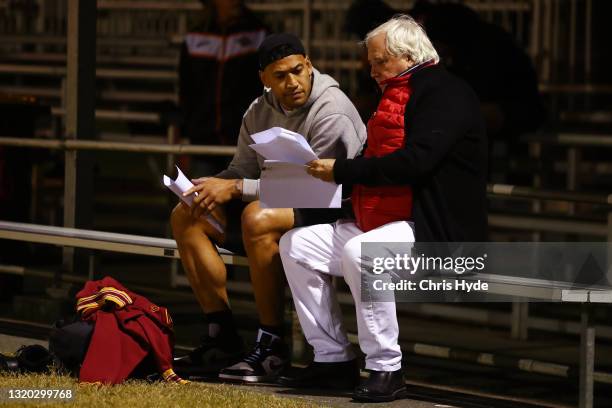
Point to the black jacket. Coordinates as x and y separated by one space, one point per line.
444 160
218 78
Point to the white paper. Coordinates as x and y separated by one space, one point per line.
182 184
283 145
287 185
269 134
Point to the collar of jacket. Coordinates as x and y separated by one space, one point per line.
403 77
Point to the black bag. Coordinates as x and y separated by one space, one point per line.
68 341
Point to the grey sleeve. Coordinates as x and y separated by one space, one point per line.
336 136
244 166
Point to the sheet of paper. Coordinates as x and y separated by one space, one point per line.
283 145
269 134
182 184
287 185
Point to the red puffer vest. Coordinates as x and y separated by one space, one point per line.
379 205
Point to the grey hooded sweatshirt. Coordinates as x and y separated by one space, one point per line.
328 120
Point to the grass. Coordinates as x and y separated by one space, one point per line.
135 393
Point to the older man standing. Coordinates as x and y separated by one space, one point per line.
422 175
298 98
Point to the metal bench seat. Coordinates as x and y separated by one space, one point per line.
101 240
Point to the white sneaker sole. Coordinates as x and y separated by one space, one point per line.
246 378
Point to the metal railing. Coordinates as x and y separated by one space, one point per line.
82 144
571 139
109 73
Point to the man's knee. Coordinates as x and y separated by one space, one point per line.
184 226
180 219
351 256
289 248
286 243
257 221
294 244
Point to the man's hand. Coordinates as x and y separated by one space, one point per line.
322 169
212 192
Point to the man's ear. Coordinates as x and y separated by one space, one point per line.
262 77
308 64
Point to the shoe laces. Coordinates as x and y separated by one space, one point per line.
257 354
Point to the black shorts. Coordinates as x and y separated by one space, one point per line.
302 218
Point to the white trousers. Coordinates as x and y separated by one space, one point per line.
310 256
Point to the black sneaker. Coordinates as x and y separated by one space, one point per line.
263 364
210 356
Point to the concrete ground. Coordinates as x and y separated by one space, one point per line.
419 396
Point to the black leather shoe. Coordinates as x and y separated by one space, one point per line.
381 386
343 375
35 359
28 359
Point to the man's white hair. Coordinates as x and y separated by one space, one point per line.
405 38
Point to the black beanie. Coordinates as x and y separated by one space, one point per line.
278 46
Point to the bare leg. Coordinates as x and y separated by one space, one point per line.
261 231
205 269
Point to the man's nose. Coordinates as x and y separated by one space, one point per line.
291 81
372 72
